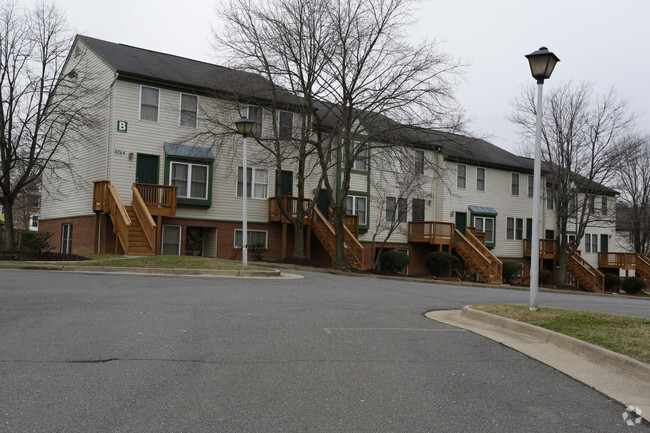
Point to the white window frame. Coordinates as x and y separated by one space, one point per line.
180 110
157 104
514 185
66 238
531 185
249 237
258 127
33 221
459 177
360 162
355 208
484 171
603 205
251 179
550 205
591 243
281 135
517 229
162 240
482 228
189 179
400 210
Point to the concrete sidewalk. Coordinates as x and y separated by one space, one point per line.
621 378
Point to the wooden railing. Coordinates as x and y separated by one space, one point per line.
160 199
585 274
643 266
118 215
547 248
495 265
478 235
100 195
431 232
290 205
617 260
478 257
325 233
144 217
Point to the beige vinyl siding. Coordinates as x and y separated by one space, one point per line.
70 195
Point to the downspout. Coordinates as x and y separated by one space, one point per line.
108 151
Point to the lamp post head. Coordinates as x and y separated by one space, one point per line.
244 126
542 62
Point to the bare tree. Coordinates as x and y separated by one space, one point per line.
633 182
40 111
399 187
581 137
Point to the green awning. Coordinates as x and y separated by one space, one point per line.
483 210
188 152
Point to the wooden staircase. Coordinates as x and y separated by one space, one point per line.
478 257
138 243
584 274
326 235
643 267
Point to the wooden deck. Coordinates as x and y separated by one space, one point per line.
431 232
547 248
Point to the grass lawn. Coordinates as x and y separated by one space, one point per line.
174 262
626 335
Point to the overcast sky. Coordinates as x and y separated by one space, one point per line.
603 42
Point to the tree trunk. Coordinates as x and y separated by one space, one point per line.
341 260
10 243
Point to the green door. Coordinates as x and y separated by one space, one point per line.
418 209
323 203
604 243
285 183
146 169
461 221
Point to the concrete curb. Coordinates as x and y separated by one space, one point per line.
630 366
271 273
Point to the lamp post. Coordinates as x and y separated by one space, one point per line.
542 62
244 127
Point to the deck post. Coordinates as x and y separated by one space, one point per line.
308 243
157 247
283 254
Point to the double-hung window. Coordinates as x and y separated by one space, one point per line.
419 162
591 243
285 130
171 240
480 179
257 182
191 180
514 183
531 185
485 225
514 229
603 206
549 198
360 156
149 102
255 114
189 110
461 176
396 210
357 205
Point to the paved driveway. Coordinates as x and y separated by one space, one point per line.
142 353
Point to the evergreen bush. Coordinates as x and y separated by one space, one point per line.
394 261
612 282
440 263
633 285
37 242
545 276
510 271
257 250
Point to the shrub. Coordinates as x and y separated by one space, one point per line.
633 285
394 261
510 271
545 276
612 282
37 242
439 263
258 250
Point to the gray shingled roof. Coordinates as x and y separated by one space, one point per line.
141 64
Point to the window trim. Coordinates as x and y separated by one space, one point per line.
492 241
202 202
157 105
180 111
261 122
512 184
401 212
252 182
248 238
591 243
360 157
516 221
550 199
162 239
280 129
458 176
66 241
355 197
604 203
189 178
419 161
484 178
531 186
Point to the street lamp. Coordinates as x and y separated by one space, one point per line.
542 62
244 127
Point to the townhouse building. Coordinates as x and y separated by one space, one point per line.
163 175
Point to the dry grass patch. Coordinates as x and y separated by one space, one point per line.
160 262
623 334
